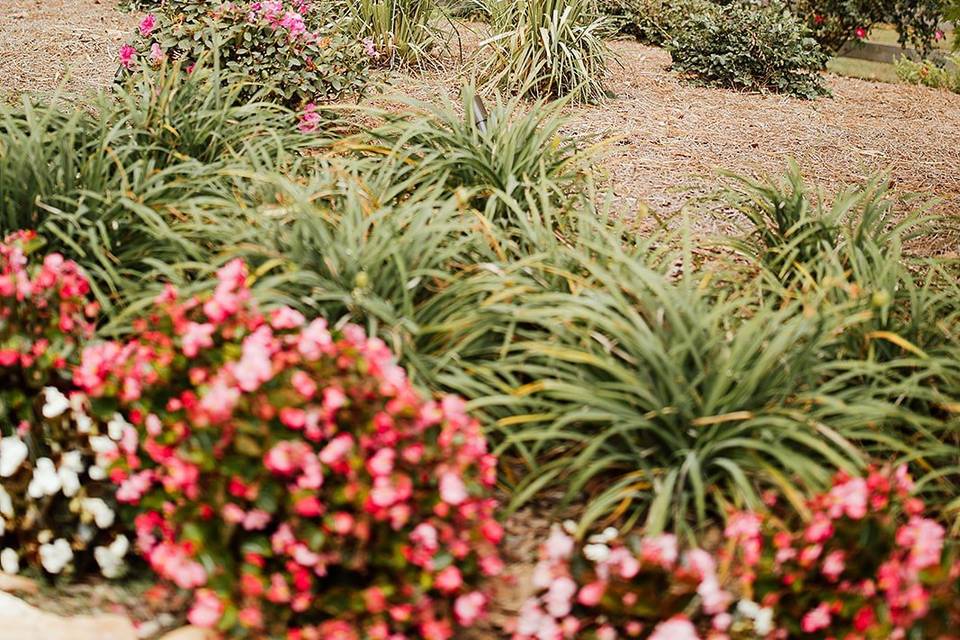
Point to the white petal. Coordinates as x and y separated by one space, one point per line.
9 561
55 403
13 451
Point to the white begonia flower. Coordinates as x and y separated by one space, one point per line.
54 557
6 503
71 465
748 609
9 561
102 444
763 622
102 514
54 402
570 527
110 558
46 481
116 426
84 422
97 473
13 451
79 413
608 535
596 552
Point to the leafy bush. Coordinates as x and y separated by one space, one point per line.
653 21
56 504
750 48
292 477
299 52
930 73
397 31
836 22
546 48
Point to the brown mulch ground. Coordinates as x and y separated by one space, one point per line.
71 45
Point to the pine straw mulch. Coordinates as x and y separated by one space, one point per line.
72 45
670 140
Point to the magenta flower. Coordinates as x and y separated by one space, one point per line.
147 25
127 55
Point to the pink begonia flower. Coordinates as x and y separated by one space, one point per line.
819 530
449 580
559 545
207 609
816 619
337 449
255 366
469 608
559 597
127 55
924 538
849 498
156 53
660 550
591 594
452 489
148 24
833 565
861 32
315 340
381 463
370 48
676 628
195 337
286 318
714 599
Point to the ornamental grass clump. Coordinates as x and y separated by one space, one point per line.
290 476
57 512
546 49
398 32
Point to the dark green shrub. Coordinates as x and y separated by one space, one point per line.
750 48
653 21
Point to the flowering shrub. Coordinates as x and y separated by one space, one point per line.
836 22
653 21
610 589
56 508
301 52
865 565
292 478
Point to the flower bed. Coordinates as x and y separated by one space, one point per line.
56 505
290 475
865 563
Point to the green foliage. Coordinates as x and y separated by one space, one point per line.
836 22
750 48
930 73
399 31
546 48
653 21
